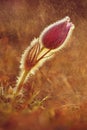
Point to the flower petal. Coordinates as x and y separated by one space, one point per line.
54 35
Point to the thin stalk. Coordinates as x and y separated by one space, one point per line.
43 55
25 73
21 81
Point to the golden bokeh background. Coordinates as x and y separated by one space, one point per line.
63 78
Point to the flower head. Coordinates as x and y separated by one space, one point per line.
54 35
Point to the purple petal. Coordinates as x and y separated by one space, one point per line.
54 35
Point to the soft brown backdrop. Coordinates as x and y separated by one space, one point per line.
64 77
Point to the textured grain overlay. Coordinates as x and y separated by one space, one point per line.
63 78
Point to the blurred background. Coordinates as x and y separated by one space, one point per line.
63 78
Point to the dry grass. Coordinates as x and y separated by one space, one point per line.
63 79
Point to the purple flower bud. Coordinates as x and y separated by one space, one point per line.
54 35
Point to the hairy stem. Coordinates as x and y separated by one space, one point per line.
21 81
26 72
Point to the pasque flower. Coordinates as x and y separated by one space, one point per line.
54 35
43 48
